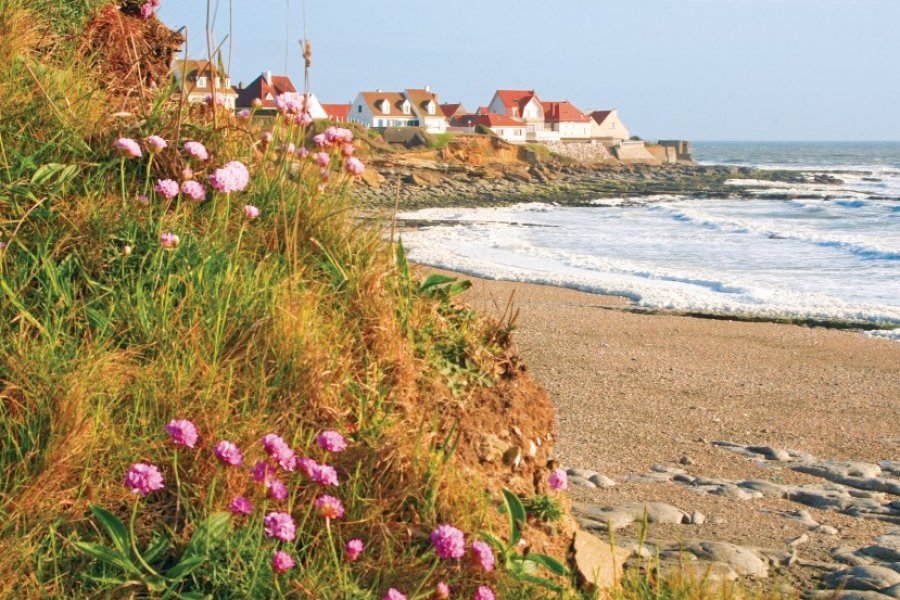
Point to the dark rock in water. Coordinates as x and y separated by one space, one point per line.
826 178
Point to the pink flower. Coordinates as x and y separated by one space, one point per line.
280 525
448 542
325 475
329 507
182 432
325 174
197 150
322 159
219 100
143 200
303 120
353 549
168 188
331 441
347 150
483 554
169 240
262 471
276 489
307 465
267 137
393 594
558 480
240 506
194 190
441 590
282 562
320 140
156 144
354 166
331 135
484 593
289 148
343 136
289 103
302 152
128 148
229 453
187 173
278 449
233 177
243 114
143 479
251 212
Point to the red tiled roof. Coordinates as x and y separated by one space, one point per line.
495 120
450 110
482 110
600 115
260 88
563 111
337 112
516 98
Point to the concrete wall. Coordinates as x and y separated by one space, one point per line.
664 154
634 152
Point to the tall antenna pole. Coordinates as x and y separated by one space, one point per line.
307 55
287 36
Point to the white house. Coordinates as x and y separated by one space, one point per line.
197 80
525 106
267 87
506 128
412 108
607 126
568 121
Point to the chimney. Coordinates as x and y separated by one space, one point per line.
428 88
269 77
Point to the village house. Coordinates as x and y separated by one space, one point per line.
267 87
411 108
339 113
506 128
200 82
525 106
607 127
453 111
565 119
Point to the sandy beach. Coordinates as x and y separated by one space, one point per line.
641 398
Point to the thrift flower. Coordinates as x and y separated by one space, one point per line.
441 590
276 489
348 150
329 507
277 448
307 465
483 554
262 471
331 441
289 103
229 453
280 525
169 240
303 120
168 188
325 475
484 593
194 190
143 200
187 173
558 480
282 562
322 159
196 150
267 137
289 148
149 8
233 177
128 148
393 594
354 166
448 542
156 144
240 506
182 432
353 549
320 140
251 212
143 479
243 115
303 152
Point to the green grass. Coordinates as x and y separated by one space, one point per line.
441 140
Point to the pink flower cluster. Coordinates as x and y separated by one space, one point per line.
128 148
449 542
289 103
156 144
196 150
182 432
280 525
329 507
169 241
354 549
143 478
558 480
194 190
167 188
331 441
149 8
229 453
233 177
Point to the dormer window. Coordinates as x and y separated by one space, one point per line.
228 82
385 107
407 109
201 82
431 108
217 83
515 111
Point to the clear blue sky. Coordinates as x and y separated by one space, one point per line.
693 69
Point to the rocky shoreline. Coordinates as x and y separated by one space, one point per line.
411 185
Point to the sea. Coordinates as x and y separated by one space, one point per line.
828 252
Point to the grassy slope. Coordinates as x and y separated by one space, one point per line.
294 322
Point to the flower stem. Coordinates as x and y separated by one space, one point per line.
133 538
422 583
177 487
122 179
334 555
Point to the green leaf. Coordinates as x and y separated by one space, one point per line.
517 516
433 280
548 562
544 583
184 567
211 532
116 581
494 541
108 556
114 527
159 545
402 264
193 596
45 173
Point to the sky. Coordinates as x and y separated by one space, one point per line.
685 69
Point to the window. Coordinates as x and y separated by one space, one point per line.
201 82
385 106
218 82
228 82
406 108
515 112
359 108
431 109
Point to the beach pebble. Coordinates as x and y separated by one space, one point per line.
800 539
776 454
581 482
826 530
767 489
583 473
698 518
863 577
743 561
686 460
601 481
